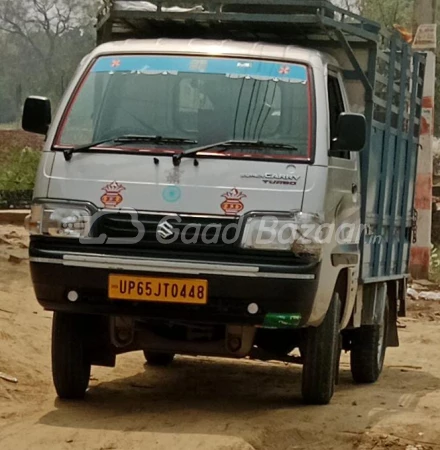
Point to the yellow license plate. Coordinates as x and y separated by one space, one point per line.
147 289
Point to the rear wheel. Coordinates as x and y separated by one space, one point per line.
158 359
321 357
70 363
368 350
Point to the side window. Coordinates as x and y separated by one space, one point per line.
336 107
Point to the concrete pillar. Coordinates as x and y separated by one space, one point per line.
421 250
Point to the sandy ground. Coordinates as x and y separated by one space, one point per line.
206 403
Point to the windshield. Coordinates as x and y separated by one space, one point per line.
206 100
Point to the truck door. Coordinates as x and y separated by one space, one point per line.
344 178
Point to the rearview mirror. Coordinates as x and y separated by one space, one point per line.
37 115
351 133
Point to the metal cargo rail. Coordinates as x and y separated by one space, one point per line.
220 19
379 65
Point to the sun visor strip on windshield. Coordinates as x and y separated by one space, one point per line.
154 65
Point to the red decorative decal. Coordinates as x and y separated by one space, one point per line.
233 204
284 70
116 63
112 196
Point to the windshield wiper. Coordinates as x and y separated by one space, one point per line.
68 152
155 139
126 139
177 157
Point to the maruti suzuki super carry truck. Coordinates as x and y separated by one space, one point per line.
234 179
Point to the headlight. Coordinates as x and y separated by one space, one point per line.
300 233
60 220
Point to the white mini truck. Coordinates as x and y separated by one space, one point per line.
233 180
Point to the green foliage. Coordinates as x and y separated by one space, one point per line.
20 170
389 12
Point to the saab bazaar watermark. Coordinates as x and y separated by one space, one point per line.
270 230
265 230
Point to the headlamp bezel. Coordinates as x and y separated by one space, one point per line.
296 217
38 223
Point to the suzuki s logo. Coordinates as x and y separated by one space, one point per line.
165 230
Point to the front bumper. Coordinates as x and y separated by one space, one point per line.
233 285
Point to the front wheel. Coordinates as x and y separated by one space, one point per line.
70 363
321 357
368 350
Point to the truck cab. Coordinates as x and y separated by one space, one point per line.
205 196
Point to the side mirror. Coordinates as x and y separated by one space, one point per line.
37 115
351 133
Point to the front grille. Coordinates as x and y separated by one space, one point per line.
189 233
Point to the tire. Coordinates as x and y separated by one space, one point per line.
70 364
156 359
368 350
321 357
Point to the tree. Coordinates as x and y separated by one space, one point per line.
389 12
386 12
43 41
40 24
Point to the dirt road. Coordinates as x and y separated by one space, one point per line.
207 403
